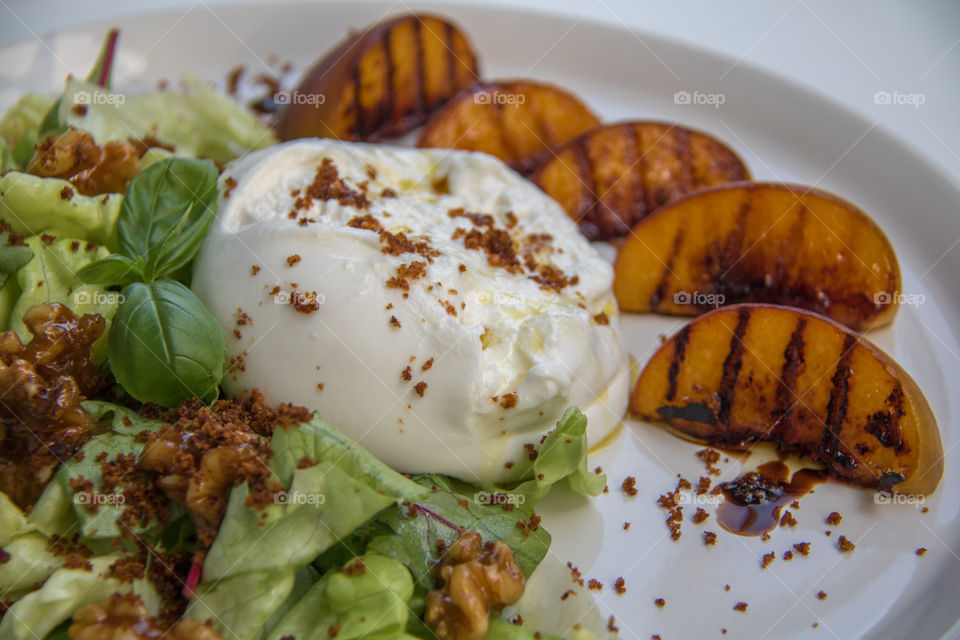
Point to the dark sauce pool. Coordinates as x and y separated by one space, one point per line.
754 500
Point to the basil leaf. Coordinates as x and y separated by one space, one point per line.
115 269
11 259
164 346
165 213
182 243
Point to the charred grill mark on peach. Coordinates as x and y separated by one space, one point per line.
793 362
588 181
885 425
359 125
664 284
387 106
688 167
676 361
837 406
421 90
636 180
731 368
452 61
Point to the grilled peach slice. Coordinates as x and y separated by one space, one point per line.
760 242
518 122
612 177
381 82
750 373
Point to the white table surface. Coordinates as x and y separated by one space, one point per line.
847 50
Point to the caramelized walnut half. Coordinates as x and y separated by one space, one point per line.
477 578
91 168
124 617
41 386
204 452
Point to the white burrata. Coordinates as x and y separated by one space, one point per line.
347 281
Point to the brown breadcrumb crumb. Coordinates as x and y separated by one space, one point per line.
620 586
767 559
834 518
407 374
660 602
595 585
629 486
845 544
821 595
202 452
709 538
788 555
292 260
741 607
710 457
420 388
426 365
921 551
700 516
803 548
394 321
787 520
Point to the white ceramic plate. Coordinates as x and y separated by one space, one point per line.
883 589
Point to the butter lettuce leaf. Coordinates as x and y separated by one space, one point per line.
562 457
367 602
411 534
199 123
344 488
31 205
26 114
101 520
50 276
39 612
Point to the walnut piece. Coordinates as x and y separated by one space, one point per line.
123 617
92 169
204 451
42 383
477 578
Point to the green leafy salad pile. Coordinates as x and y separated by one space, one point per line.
284 570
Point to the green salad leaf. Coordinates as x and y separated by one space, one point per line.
39 612
99 511
32 206
343 487
49 276
411 533
366 599
12 257
164 346
26 114
563 456
28 559
197 123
